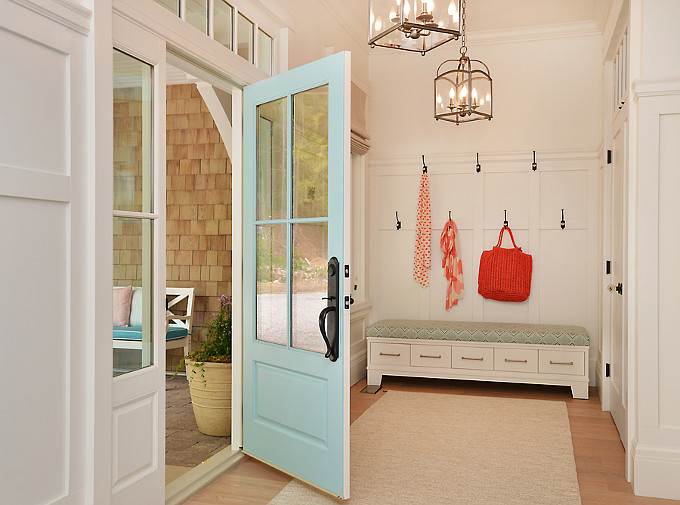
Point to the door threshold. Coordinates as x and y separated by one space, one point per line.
184 487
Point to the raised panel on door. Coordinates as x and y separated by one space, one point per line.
398 292
566 190
506 191
439 283
563 281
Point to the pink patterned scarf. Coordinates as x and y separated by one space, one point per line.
452 264
422 259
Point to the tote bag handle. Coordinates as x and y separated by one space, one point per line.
500 237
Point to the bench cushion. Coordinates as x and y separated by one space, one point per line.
464 331
134 333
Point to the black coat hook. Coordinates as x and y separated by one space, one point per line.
398 222
424 166
478 167
449 215
563 223
505 223
534 166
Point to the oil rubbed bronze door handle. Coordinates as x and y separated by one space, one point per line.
329 314
569 363
390 354
472 359
515 360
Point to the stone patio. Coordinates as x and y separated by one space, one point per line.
184 444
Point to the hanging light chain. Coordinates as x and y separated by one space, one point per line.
463 48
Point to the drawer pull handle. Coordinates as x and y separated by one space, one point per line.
515 360
472 359
389 354
570 363
426 356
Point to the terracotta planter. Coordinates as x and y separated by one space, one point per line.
210 388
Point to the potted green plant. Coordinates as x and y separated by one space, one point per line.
209 373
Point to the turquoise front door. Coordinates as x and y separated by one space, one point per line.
296 272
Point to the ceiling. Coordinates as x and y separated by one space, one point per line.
485 15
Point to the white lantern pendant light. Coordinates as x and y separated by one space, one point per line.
462 88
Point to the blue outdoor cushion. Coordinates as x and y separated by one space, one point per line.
135 333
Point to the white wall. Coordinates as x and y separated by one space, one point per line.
547 97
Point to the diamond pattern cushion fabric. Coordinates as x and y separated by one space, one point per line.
464 331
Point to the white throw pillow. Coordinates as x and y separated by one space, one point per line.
122 299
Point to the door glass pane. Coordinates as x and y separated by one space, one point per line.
264 52
171 5
272 284
272 152
245 38
223 23
310 153
132 294
310 284
132 134
197 14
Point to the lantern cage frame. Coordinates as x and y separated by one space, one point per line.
422 26
462 75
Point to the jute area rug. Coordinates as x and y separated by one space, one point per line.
438 449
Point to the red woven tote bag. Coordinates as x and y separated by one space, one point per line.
505 274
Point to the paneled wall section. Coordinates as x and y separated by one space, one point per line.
565 265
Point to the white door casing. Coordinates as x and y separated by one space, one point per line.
138 398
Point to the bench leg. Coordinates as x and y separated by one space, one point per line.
580 390
374 378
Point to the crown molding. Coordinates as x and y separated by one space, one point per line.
519 35
651 87
348 21
65 12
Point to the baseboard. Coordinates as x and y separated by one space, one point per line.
656 471
357 368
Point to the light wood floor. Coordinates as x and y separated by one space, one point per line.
597 448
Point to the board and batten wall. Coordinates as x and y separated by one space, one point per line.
547 98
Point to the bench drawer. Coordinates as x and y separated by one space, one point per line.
516 360
475 358
435 356
561 362
390 354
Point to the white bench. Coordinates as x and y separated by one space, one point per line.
498 352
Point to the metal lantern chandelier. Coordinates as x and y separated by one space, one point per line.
462 88
413 25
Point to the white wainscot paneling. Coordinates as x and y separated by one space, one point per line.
506 191
563 277
398 193
669 273
509 312
35 374
564 190
30 91
439 284
455 193
398 292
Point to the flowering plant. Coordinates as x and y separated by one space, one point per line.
217 347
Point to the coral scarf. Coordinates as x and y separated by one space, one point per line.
452 264
422 258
